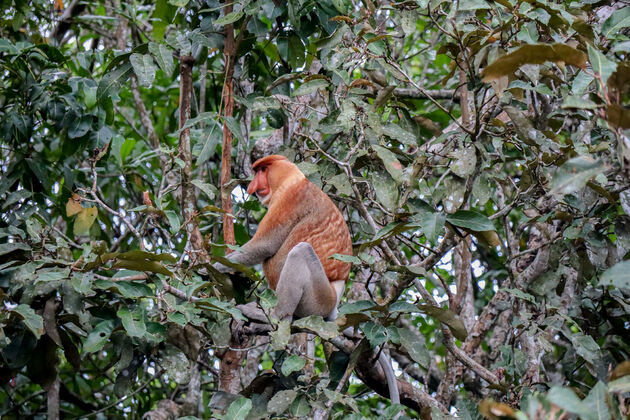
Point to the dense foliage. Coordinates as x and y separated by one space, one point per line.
478 149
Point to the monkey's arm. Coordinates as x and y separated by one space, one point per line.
268 239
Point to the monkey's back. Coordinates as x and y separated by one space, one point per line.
320 223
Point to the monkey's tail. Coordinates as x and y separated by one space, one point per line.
392 385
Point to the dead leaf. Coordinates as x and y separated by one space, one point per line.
73 206
533 54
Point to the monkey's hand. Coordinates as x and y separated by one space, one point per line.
222 268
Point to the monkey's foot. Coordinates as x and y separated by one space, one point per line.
253 312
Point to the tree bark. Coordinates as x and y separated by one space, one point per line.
229 54
189 200
231 360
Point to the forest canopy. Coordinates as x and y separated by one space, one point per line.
478 151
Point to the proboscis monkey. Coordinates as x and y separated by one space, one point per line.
301 230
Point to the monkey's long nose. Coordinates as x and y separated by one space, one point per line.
252 187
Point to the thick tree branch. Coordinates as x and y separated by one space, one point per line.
188 199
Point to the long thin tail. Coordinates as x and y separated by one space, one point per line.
392 385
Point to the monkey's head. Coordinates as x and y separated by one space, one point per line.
273 175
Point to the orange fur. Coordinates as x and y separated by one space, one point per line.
313 217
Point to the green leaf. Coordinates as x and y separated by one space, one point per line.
346 258
341 184
235 128
112 81
144 68
173 220
98 337
447 317
618 20
33 321
176 364
317 325
385 189
391 162
163 56
578 102
296 51
585 346
618 276
470 220
279 403
239 409
566 399
601 65
398 133
127 289
292 364
135 327
280 337
465 161
375 333
432 225
15 246
357 307
80 126
402 306
209 190
573 175
416 346
310 87
597 402
142 265
229 18
137 255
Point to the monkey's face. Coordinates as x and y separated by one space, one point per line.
260 185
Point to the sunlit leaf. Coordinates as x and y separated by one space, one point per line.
229 18
239 409
98 337
618 276
618 20
144 68
163 56
281 401
292 364
84 221
32 320
317 325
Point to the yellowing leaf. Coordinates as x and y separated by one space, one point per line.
73 206
488 237
495 410
533 54
618 116
84 221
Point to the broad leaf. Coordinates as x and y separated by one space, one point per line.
533 54
574 174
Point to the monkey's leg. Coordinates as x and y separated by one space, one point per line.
303 288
